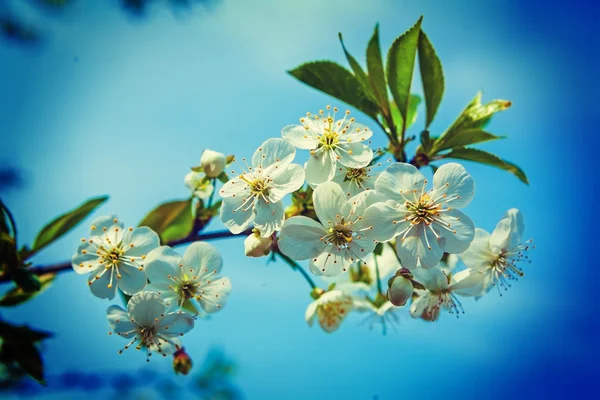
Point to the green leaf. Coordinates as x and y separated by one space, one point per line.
359 73
65 223
400 67
172 220
25 279
425 141
336 81
484 157
474 116
467 137
17 295
378 249
376 72
412 114
432 77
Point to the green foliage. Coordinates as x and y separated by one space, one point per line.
18 295
412 112
336 81
466 137
19 346
377 73
400 67
432 77
65 223
484 157
172 220
357 69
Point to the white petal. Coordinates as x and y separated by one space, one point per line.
456 231
467 283
120 323
432 278
320 167
213 163
500 239
132 280
273 152
300 237
213 294
354 155
387 220
201 256
103 224
269 217
453 181
479 256
419 305
145 307
236 213
331 262
399 181
285 180
99 287
86 259
310 313
143 239
161 263
518 226
235 187
419 245
356 133
330 202
175 324
300 137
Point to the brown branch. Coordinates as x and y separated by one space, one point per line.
66 266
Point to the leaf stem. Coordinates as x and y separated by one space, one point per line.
296 267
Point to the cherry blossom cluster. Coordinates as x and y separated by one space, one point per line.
367 226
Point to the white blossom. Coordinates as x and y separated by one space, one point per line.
497 256
425 222
257 246
330 308
338 240
330 141
148 325
213 163
355 180
255 195
199 184
114 257
193 276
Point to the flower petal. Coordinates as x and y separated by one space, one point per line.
331 262
120 323
284 181
273 152
140 241
387 220
398 181
356 132
330 201
201 256
300 238
310 313
354 155
455 184
500 238
518 226
175 324
236 213
420 245
86 259
300 137
145 307
419 305
235 187
99 287
132 280
213 294
467 282
103 224
160 264
479 256
269 217
456 231
320 167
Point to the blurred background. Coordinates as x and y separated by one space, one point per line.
121 97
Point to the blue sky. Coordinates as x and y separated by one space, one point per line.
117 106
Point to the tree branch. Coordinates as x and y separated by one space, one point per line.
66 266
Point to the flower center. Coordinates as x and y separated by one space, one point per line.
111 257
148 333
423 210
356 174
187 289
257 186
329 139
340 234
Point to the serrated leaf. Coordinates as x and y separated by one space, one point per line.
172 220
400 67
336 81
432 77
486 158
467 137
65 223
412 114
376 72
17 295
474 116
359 73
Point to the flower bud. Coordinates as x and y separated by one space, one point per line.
399 291
257 246
182 363
213 163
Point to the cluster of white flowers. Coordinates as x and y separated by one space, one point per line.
355 210
158 281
